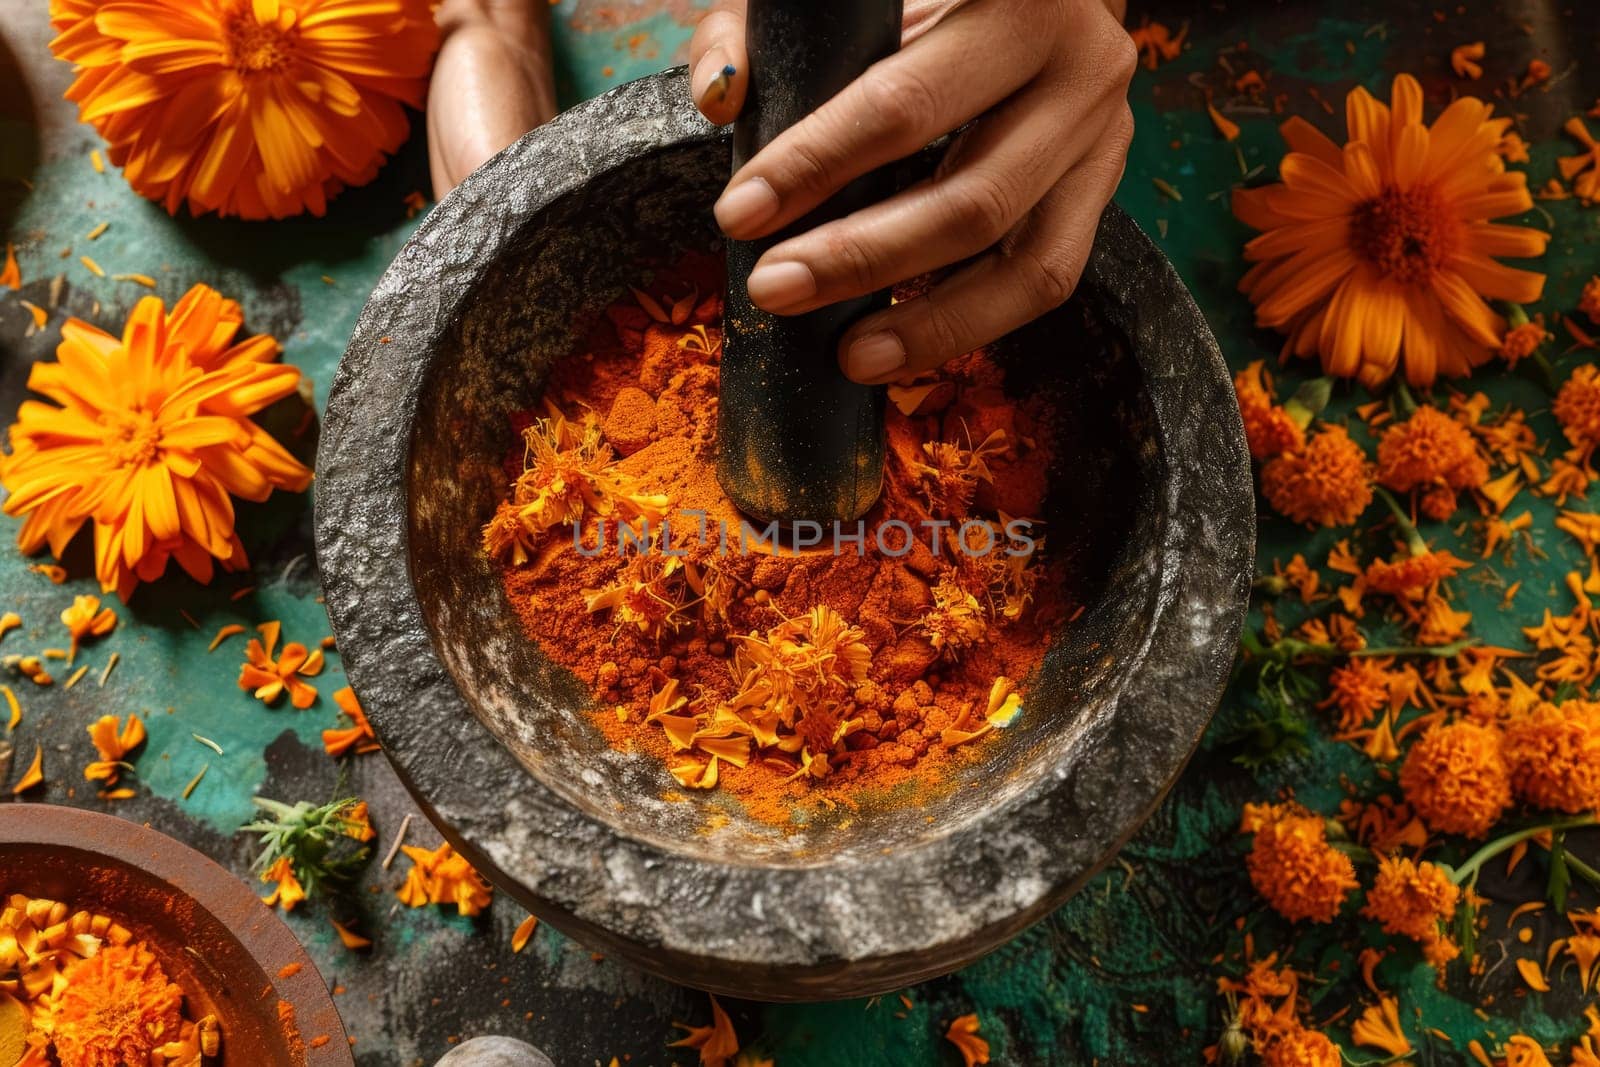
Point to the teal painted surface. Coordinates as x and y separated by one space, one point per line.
1144 933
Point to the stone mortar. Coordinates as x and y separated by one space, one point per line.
492 737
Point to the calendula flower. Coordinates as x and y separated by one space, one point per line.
1577 408
113 742
1299 1047
1431 451
358 736
1553 752
1292 866
1384 249
717 1043
1411 899
441 876
1456 779
1379 1027
1327 483
255 108
963 1034
151 437
1269 429
115 1006
267 678
86 618
288 891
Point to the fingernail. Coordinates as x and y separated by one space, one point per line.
746 206
713 76
779 286
874 355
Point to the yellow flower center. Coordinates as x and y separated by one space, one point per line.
133 436
1407 234
255 47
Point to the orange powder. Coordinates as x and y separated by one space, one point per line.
653 386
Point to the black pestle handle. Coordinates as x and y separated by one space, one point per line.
796 439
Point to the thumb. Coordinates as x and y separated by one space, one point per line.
718 67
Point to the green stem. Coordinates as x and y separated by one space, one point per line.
1469 870
1403 398
1582 869
1414 543
1437 651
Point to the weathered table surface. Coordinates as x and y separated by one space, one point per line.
1121 975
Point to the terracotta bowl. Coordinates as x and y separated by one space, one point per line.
493 737
212 935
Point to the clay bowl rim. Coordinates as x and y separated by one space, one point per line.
265 937
605 887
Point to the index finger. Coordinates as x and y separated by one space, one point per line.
718 70
979 55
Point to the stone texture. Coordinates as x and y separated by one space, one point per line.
489 734
494 1052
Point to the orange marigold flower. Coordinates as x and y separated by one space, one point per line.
1431 451
963 1034
441 876
1411 576
113 742
1456 779
116 1006
1359 689
1589 301
151 437
1268 428
1292 866
1379 1027
1553 753
1577 408
1411 899
1299 1047
1385 247
358 736
1328 483
267 679
1520 342
255 108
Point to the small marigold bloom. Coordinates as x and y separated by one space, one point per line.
1438 623
116 1006
1577 408
441 876
1328 483
267 678
1428 451
1358 689
113 742
1379 1027
1589 300
1456 779
956 621
1553 753
1300 1047
1156 43
1411 899
1293 867
1268 428
86 618
260 110
289 891
151 439
358 736
1520 342
1383 250
1411 576
963 1034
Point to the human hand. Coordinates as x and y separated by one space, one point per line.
1024 185
492 83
